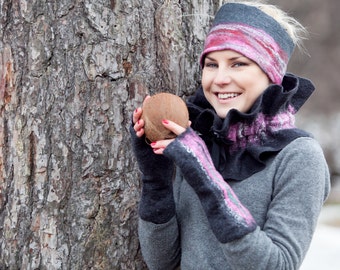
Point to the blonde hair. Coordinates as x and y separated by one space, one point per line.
297 32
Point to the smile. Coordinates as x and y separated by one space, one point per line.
227 95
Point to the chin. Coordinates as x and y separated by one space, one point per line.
222 114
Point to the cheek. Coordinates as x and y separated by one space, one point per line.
257 90
261 84
264 85
206 80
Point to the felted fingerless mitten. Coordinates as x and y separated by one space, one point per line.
157 202
228 218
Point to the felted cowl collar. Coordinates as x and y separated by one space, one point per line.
242 143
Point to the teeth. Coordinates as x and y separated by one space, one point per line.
227 95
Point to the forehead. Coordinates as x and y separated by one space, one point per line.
225 54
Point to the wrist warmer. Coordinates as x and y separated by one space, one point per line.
157 204
228 218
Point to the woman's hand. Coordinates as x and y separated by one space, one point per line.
157 203
138 122
159 146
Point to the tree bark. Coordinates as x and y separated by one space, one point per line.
71 73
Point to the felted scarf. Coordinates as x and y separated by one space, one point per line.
242 143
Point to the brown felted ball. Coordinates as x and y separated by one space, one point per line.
159 107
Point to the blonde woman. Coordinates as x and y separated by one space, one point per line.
241 188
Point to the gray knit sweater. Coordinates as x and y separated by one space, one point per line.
284 199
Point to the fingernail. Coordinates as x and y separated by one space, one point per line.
165 121
153 143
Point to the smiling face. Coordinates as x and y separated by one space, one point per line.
232 81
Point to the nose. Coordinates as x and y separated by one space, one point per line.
223 76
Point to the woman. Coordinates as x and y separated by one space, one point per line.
241 188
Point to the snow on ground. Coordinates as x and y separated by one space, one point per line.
324 253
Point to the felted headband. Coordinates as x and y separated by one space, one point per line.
252 33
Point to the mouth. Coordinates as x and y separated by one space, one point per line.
226 96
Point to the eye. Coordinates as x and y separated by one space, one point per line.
209 64
239 64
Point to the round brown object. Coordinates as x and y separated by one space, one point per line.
159 107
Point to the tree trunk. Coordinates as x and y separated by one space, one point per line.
71 73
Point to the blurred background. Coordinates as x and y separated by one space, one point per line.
321 64
321 114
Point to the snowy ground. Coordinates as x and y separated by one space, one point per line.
324 253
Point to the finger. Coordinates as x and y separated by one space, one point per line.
139 128
172 126
139 124
138 112
140 132
136 115
159 146
158 151
161 143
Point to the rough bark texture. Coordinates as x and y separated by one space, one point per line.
71 73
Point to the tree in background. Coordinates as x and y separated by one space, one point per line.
71 72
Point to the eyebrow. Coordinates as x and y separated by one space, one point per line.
230 59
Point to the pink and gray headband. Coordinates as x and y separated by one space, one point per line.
252 33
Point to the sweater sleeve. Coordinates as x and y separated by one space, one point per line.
156 204
228 218
160 244
301 185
